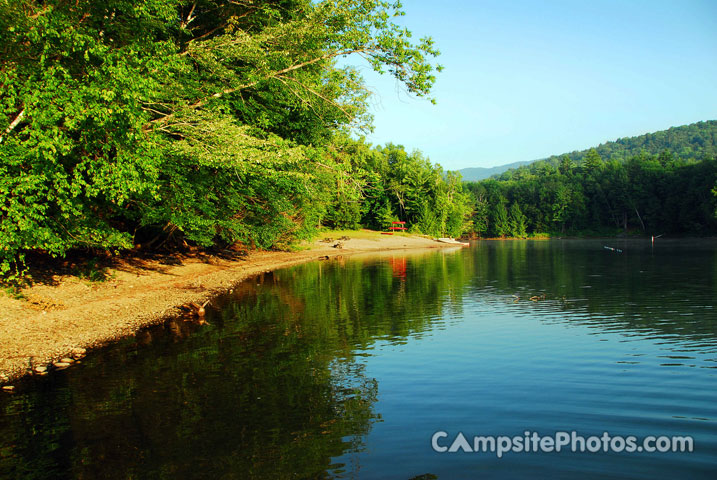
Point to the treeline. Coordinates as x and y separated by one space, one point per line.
213 123
379 185
647 194
208 122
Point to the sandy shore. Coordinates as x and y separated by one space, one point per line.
66 312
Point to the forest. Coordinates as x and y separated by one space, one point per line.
208 123
171 123
647 194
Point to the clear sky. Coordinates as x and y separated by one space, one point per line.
527 79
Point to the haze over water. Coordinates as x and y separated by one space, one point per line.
346 368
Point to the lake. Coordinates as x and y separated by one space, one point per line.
348 368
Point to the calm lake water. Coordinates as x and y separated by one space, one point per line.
346 369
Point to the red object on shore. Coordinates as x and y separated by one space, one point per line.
398 228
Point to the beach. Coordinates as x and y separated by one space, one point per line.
63 314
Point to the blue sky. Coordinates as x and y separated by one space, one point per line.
527 79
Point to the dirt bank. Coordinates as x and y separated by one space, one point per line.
65 312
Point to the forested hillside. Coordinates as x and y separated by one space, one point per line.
658 183
647 194
690 142
696 141
208 122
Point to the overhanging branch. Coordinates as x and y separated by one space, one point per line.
200 103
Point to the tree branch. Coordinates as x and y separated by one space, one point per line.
202 102
186 52
327 100
14 124
190 17
303 100
223 25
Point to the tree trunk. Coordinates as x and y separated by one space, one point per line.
14 124
640 218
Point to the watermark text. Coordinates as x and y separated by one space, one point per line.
442 442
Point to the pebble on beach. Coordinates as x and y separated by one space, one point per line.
78 353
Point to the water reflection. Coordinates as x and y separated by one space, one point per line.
344 368
667 289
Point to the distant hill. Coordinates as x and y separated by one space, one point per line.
689 142
480 173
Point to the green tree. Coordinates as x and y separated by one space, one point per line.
517 220
130 121
501 224
561 206
480 216
592 163
566 165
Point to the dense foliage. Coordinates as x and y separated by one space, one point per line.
380 185
207 121
648 194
